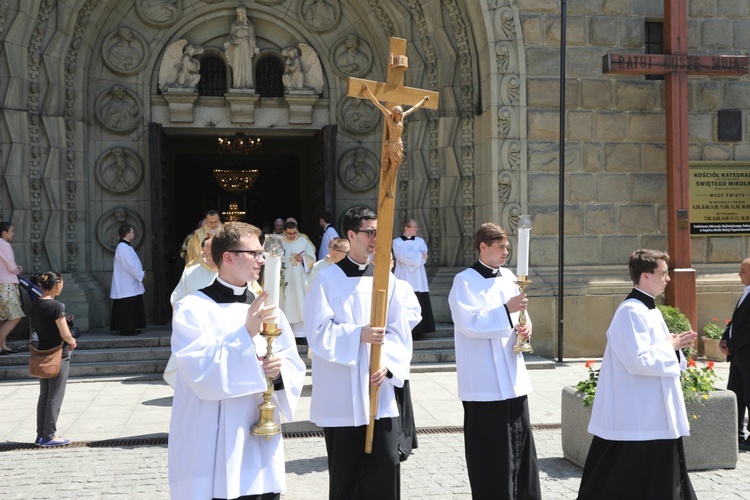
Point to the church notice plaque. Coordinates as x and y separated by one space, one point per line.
720 198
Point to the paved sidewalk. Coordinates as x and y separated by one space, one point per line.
140 407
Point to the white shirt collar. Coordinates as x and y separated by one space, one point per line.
361 267
238 290
645 293
494 270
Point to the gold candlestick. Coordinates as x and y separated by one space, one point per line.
521 345
265 426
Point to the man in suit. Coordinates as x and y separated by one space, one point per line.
735 343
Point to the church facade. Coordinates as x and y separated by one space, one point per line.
111 111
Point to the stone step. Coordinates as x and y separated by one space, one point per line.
152 368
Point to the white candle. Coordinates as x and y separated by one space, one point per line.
523 252
272 282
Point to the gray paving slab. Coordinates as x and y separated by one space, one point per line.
98 409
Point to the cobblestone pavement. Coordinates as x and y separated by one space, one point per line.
437 471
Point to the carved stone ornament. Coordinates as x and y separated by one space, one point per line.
239 50
319 15
110 222
125 52
358 170
179 67
262 2
302 70
351 56
119 170
119 110
357 116
159 13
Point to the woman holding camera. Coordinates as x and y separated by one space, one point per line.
48 321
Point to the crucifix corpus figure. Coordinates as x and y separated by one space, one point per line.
394 95
393 147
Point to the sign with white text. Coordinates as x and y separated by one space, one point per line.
719 198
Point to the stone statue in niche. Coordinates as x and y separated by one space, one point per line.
118 110
119 170
123 51
319 14
240 49
179 67
352 61
360 174
303 71
159 11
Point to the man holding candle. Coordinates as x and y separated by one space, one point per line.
492 381
221 378
337 315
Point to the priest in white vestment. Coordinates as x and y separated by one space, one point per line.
128 314
485 304
639 418
194 243
337 316
411 255
222 377
337 250
299 257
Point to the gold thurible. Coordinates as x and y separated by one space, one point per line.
265 426
521 345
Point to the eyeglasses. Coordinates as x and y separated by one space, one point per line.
253 253
371 233
661 273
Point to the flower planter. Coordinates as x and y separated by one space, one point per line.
712 351
712 443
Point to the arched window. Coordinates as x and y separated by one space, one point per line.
213 77
268 72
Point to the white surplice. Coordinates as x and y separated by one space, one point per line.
486 366
218 389
194 277
294 285
336 309
410 262
639 395
127 275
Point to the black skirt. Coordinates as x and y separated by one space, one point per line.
427 324
636 469
128 314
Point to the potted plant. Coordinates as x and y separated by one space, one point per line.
712 333
713 421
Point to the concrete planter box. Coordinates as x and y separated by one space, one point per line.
712 443
712 350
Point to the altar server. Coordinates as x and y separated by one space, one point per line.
411 255
337 317
639 417
485 304
221 378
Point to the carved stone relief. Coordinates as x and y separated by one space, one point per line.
125 52
179 68
356 116
110 222
159 13
119 110
319 15
302 71
351 56
119 170
358 170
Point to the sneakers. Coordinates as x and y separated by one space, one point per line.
38 440
55 441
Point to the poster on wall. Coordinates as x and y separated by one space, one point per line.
719 198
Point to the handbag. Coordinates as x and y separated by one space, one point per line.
46 363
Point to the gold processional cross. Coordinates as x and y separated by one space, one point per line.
394 94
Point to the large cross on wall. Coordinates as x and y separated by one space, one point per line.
676 64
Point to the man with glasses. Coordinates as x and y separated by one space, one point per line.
299 257
411 255
337 316
221 377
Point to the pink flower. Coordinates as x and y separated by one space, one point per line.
710 365
589 363
691 363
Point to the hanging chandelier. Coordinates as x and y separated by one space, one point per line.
236 181
238 144
234 213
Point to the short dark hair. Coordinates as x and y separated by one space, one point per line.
203 243
123 230
406 222
228 237
211 212
326 216
488 233
354 216
48 280
290 225
5 226
644 260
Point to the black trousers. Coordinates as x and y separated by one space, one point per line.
51 394
500 450
355 475
739 384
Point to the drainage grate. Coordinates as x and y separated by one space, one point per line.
162 440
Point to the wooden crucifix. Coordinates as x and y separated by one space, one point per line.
675 64
394 94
